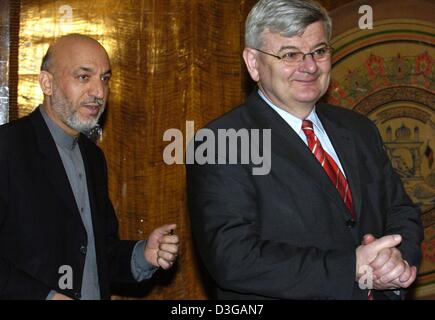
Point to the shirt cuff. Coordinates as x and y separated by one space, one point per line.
51 295
140 267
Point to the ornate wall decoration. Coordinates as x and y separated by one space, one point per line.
387 73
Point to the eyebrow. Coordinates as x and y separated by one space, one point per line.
91 70
293 47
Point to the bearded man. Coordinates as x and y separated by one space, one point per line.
58 229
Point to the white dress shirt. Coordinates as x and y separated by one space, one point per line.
296 124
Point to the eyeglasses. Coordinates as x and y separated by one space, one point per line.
296 57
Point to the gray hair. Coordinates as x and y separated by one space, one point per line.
286 17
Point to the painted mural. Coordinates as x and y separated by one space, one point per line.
387 73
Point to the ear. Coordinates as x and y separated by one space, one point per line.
46 82
250 56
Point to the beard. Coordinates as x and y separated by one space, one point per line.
70 115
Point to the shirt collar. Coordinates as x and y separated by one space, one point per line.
61 138
293 121
314 118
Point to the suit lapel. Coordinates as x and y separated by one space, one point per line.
344 144
288 145
52 164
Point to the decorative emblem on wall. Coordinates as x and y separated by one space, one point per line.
387 74
398 94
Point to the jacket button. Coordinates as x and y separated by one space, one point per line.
83 249
77 295
351 223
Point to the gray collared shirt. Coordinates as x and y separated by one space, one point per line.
72 160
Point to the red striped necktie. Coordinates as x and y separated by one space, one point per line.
328 164
332 170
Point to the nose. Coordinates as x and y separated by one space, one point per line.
308 64
97 89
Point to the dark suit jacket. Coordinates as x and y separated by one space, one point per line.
287 234
40 225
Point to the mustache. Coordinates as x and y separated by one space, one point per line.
99 101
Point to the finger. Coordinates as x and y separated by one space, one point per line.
170 239
407 274
381 259
411 278
389 241
398 285
163 263
389 266
393 274
168 256
171 248
368 238
386 268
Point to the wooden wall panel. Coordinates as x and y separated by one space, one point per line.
150 94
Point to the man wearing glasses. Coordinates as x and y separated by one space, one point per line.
331 219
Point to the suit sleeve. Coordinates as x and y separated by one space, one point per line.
119 251
403 216
223 211
14 283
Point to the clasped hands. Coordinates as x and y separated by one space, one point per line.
385 263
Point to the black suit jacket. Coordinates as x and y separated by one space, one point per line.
40 225
287 234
